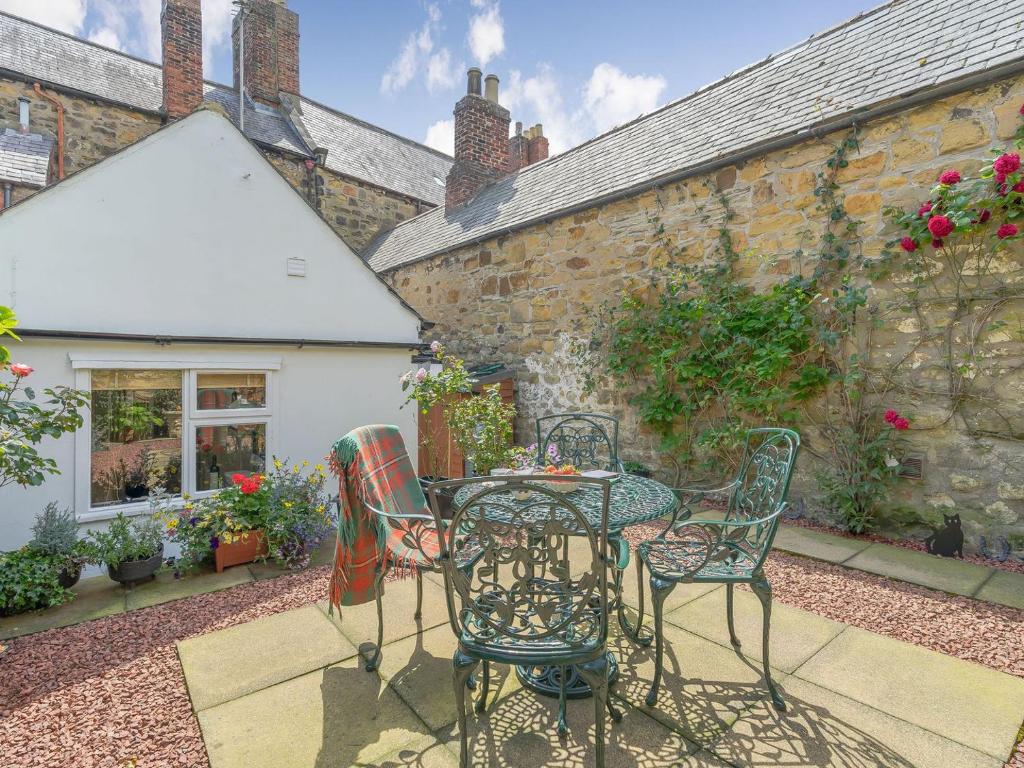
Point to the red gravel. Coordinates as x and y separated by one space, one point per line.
111 691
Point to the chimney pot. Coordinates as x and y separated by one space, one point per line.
473 81
538 131
491 88
23 114
519 128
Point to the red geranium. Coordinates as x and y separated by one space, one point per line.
250 484
901 423
908 244
238 478
940 226
950 177
1007 230
1006 164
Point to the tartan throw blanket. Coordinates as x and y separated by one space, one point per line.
371 463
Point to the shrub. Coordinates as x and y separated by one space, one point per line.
55 531
482 428
299 517
29 581
125 540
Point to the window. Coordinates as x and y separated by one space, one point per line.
179 429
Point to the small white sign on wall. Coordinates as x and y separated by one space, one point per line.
296 267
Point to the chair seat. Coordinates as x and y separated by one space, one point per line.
688 560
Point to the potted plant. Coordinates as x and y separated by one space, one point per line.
131 548
30 580
636 468
482 428
55 534
236 517
299 516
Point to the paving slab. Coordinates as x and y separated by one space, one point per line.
796 635
941 573
331 718
822 729
1005 588
521 731
428 752
359 622
165 587
232 662
704 686
966 703
95 598
817 544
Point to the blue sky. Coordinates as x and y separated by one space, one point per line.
578 67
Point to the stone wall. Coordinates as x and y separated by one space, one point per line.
95 130
524 297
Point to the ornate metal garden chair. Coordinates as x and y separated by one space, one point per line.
586 440
730 551
517 604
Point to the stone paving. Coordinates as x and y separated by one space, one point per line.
290 690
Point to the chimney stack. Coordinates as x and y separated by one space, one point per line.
23 114
181 33
481 141
271 50
527 148
538 145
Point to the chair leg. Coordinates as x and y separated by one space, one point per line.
596 674
373 663
728 610
485 686
660 589
563 725
633 633
463 668
763 590
419 596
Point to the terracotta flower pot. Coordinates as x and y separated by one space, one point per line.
246 548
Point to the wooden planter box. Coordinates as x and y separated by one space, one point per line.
244 549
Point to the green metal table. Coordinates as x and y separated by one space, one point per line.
634 500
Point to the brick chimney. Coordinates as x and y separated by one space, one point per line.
538 145
481 141
181 33
271 33
527 148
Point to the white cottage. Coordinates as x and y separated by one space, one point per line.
215 317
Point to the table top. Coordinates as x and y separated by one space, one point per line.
634 500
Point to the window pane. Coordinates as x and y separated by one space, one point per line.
225 449
136 434
220 391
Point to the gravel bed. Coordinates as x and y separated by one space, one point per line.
110 693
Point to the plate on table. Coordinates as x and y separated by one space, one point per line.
600 474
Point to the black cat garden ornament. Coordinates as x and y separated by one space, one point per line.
949 540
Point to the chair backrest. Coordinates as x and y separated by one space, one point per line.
507 577
586 440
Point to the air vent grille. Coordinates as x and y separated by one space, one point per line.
912 467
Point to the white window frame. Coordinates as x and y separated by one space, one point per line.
190 367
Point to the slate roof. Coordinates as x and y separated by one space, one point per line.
24 157
355 148
891 51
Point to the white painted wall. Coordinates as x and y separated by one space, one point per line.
188 233
323 394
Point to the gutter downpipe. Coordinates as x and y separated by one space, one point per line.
60 127
815 131
8 189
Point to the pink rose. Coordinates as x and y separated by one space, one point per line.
908 244
1005 231
1022 109
901 423
435 347
891 416
21 370
950 177
925 208
1008 163
421 374
940 226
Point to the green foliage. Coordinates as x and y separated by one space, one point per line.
7 324
482 428
298 518
125 540
29 581
436 390
55 531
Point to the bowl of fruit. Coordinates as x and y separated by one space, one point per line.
563 470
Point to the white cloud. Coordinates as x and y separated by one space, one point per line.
611 97
441 75
217 17
540 99
415 52
441 136
65 15
106 36
486 32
